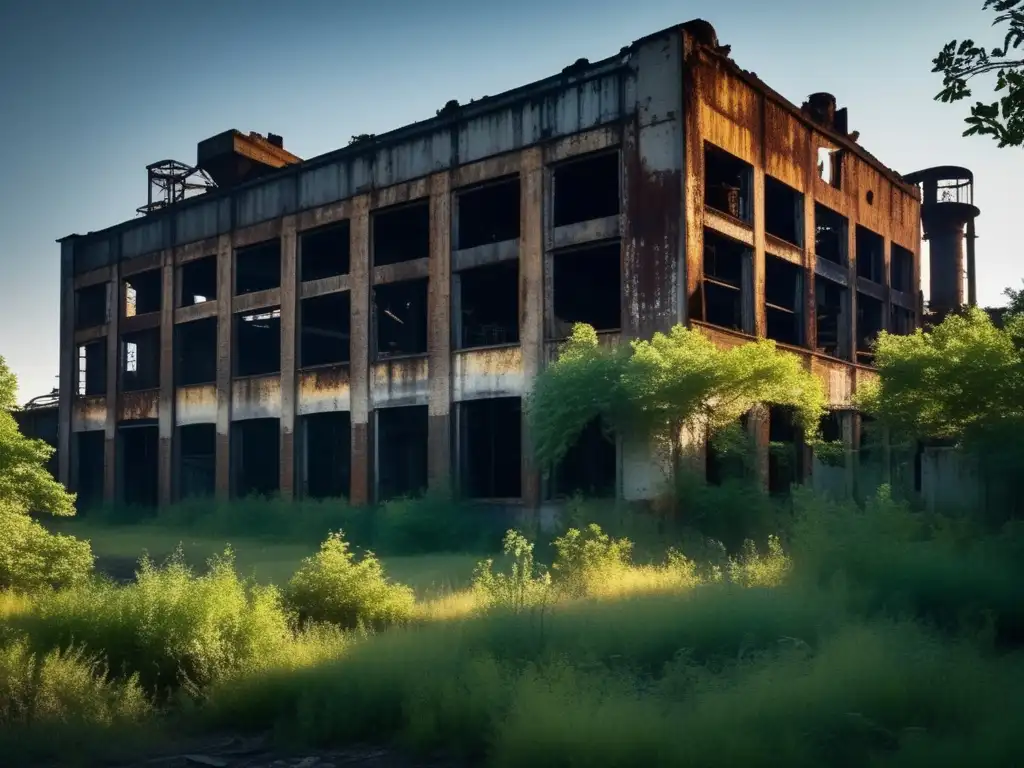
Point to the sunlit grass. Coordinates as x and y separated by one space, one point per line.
12 604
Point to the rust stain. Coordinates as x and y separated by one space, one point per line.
488 373
196 404
256 397
89 413
138 405
324 389
399 382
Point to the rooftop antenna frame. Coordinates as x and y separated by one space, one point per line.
171 181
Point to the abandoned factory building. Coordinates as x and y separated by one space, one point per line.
367 322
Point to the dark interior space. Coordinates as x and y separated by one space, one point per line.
489 305
831 426
784 450
255 457
400 318
140 360
91 306
324 252
491 448
901 268
587 288
198 281
901 321
870 255
258 267
586 188
830 321
723 283
92 368
258 343
783 298
197 448
783 211
401 451
869 323
195 352
401 233
727 183
328 455
488 213
324 325
143 293
830 241
89 451
139 464
720 464
589 466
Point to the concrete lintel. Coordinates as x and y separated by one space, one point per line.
195 312
333 213
85 335
256 234
785 251
404 270
256 300
837 273
140 264
871 288
95 277
482 255
138 323
905 300
200 249
581 144
584 232
324 286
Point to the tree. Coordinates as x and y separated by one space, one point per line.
960 61
1016 297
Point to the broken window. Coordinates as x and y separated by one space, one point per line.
488 213
140 360
585 188
870 254
324 322
139 464
869 324
590 466
401 233
490 435
198 281
784 450
726 268
197 449
92 368
830 317
91 306
143 293
324 252
401 451
258 267
326 455
830 166
587 288
783 211
727 183
89 469
255 457
488 305
258 343
901 268
400 318
901 321
783 298
195 352
830 241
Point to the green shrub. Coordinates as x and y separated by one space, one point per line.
434 522
32 558
524 586
332 586
587 558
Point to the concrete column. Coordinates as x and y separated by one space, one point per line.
165 411
532 183
115 308
810 260
757 265
439 333
851 441
225 287
887 302
67 371
758 426
359 367
289 331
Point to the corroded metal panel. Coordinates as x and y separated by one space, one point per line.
256 397
265 201
483 373
319 186
145 238
92 254
399 382
787 146
197 222
88 413
195 404
144 404
324 390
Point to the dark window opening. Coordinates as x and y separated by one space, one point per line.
901 321
91 306
92 368
721 465
400 318
830 317
491 448
783 211
871 440
325 322
488 214
401 234
324 252
89 482
784 450
197 464
830 166
198 281
725 262
869 324
870 254
589 466
587 288
783 297
327 455
830 240
401 451
258 267
488 301
140 464
901 269
143 293
255 459
258 343
586 188
727 183
195 352
140 360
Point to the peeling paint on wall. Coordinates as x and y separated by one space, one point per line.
257 397
479 373
196 405
399 382
324 390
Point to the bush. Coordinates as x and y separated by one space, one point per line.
32 558
434 522
587 559
332 586
525 586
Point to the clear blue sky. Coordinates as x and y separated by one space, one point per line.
93 92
